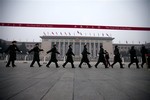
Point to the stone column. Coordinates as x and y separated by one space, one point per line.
73 46
80 49
59 46
63 47
90 47
94 50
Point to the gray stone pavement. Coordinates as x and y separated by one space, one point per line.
26 83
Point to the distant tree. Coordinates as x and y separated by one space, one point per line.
3 46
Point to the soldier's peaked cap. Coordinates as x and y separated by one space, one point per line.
37 44
14 41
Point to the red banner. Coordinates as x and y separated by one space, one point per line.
75 26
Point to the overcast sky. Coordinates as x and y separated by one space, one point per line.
134 13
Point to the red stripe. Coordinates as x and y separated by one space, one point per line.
75 26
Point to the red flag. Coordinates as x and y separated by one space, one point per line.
53 33
69 33
65 33
44 33
107 34
102 34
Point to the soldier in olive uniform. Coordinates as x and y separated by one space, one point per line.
36 57
69 57
143 52
133 57
117 57
101 57
12 53
53 56
85 57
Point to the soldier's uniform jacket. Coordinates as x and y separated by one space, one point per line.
117 55
143 52
101 55
69 55
133 55
53 54
36 51
84 55
12 51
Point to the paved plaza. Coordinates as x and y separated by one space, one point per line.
34 83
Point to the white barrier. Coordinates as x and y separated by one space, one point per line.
44 62
25 58
123 61
6 59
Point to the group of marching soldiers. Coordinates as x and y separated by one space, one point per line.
103 56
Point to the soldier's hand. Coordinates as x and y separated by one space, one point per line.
20 51
27 53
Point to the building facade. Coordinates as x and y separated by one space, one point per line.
77 42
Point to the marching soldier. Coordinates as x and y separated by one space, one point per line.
101 57
133 57
117 57
36 57
69 57
85 57
53 56
143 52
12 53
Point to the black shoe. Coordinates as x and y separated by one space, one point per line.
73 67
80 67
40 65
128 66
57 66
122 67
47 66
138 67
106 67
90 66
111 66
7 66
13 65
63 66
31 66
141 65
95 66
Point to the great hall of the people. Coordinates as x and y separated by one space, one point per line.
77 42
